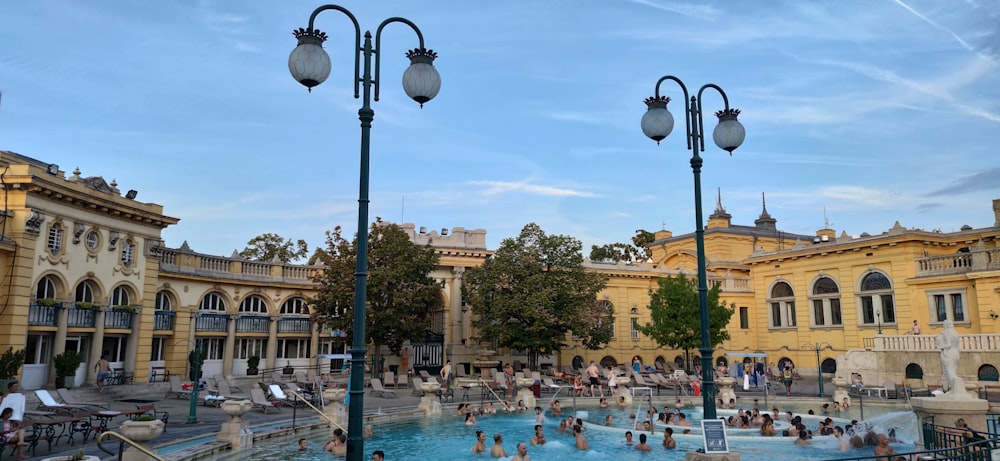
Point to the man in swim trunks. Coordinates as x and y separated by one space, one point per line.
595 379
103 371
497 450
522 453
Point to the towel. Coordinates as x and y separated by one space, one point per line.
15 401
746 382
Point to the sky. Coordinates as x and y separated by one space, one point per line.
858 113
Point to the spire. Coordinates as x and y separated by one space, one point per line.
765 221
720 211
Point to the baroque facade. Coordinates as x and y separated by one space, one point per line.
85 269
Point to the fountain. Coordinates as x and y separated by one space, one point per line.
430 403
725 385
140 432
335 410
524 391
235 431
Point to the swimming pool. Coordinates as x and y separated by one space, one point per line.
446 437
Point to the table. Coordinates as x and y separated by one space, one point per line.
103 417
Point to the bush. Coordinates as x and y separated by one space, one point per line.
67 363
10 363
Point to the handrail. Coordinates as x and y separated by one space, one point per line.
317 410
123 439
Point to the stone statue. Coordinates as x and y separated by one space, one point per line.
948 342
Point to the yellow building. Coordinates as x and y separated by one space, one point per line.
85 269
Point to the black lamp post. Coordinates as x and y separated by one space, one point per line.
310 66
657 124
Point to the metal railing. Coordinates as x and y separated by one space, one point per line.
81 317
253 324
122 440
164 320
302 325
118 319
42 315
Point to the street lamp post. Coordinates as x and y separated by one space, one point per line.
310 66
819 366
196 384
878 321
657 123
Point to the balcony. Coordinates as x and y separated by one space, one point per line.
976 260
120 319
81 317
164 320
185 261
42 315
925 343
302 325
212 322
253 324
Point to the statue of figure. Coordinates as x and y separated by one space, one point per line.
948 342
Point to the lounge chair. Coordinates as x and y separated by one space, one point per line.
260 402
226 391
222 379
416 386
402 381
424 374
390 379
176 388
891 391
547 383
67 397
460 371
48 403
380 391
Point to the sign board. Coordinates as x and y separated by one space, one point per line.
714 436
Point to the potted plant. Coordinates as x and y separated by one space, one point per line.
48 302
289 369
195 359
66 365
125 308
10 364
87 305
252 362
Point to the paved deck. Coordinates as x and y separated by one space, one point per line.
210 418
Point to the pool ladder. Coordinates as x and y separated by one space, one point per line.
122 440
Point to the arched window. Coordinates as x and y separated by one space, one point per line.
825 300
120 296
163 301
295 306
913 371
785 362
55 240
84 292
828 366
212 302
46 288
782 304
253 304
988 373
875 300
578 363
608 362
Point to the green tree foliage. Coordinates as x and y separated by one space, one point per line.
533 291
638 250
676 319
267 247
400 296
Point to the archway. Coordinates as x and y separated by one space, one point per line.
988 373
828 366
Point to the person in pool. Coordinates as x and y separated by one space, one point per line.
522 453
497 450
668 438
539 437
581 441
480 445
643 446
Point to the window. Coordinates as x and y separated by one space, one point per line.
247 347
295 306
93 240
128 252
120 297
947 305
293 348
55 240
158 350
212 302
253 304
163 301
608 309
744 318
114 348
84 292
635 328
826 303
38 349
211 348
782 304
46 288
876 300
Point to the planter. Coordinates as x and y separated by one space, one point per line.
252 371
192 378
141 431
236 408
288 370
61 382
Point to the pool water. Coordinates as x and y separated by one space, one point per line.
446 437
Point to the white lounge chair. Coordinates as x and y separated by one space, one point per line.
390 379
47 403
176 388
260 402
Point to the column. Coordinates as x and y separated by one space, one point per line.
271 359
456 330
227 352
96 346
59 343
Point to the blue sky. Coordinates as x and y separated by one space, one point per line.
874 110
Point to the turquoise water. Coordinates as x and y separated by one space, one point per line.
446 437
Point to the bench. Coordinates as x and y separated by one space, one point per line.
119 376
159 374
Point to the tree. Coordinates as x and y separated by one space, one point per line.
400 295
533 291
676 317
638 250
267 247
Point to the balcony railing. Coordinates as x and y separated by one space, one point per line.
302 325
253 324
212 322
120 319
185 261
925 343
959 263
164 320
81 317
42 315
